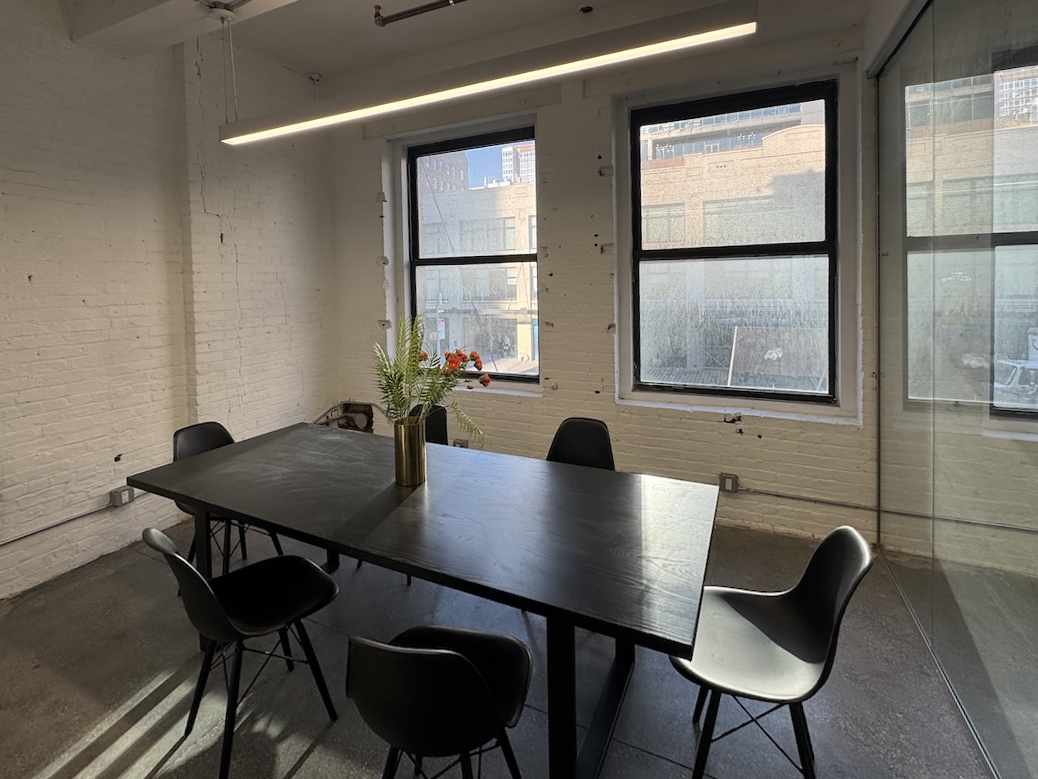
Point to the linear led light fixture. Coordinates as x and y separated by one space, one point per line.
504 82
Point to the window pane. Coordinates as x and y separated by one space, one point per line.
982 139
490 309
735 179
1016 328
477 201
753 323
949 325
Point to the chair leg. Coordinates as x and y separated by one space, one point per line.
700 700
287 647
359 564
506 750
231 714
191 551
277 543
408 580
226 547
466 766
315 669
803 736
706 735
392 763
241 542
203 677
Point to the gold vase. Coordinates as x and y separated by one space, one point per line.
409 437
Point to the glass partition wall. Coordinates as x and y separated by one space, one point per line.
958 125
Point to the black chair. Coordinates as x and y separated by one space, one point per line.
776 647
435 424
582 441
440 692
203 437
271 596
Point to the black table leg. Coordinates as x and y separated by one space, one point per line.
203 553
562 699
563 761
607 712
331 564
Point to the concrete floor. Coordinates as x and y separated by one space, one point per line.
982 628
98 667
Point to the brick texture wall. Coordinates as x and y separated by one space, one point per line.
123 315
577 298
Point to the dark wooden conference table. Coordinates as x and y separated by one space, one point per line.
620 554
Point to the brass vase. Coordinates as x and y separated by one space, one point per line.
409 437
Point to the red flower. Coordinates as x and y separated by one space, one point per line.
478 363
474 356
484 380
423 356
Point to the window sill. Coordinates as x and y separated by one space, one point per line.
520 389
807 411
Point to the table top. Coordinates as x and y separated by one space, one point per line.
618 553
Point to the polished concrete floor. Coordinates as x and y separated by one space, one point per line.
982 627
98 666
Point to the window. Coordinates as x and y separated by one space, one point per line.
735 246
971 279
473 265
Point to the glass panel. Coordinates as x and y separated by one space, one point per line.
949 326
490 309
735 179
478 202
1016 328
749 323
959 348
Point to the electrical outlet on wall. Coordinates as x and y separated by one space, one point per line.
120 496
728 482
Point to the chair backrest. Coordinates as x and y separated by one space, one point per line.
430 702
195 439
582 441
200 603
832 575
435 424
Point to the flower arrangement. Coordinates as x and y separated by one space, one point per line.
414 379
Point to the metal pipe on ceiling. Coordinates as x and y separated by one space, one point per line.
435 5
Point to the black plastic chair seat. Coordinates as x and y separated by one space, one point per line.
267 595
504 662
755 645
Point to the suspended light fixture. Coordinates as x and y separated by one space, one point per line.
251 132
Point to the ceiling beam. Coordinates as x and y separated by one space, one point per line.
132 27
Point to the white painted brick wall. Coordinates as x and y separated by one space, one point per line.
122 315
576 207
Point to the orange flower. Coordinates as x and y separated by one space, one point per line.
484 380
478 363
474 356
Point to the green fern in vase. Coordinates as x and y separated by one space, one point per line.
413 378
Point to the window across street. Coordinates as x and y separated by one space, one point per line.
735 244
473 234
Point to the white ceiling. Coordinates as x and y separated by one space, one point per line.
333 37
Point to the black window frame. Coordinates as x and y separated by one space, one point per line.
826 91
516 135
